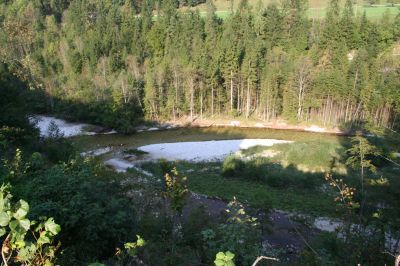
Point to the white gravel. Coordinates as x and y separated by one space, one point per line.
67 129
314 128
326 224
203 150
121 166
97 152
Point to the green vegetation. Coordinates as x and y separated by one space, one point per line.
109 63
135 152
224 259
15 227
319 155
372 12
205 178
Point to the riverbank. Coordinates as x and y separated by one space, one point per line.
71 129
248 123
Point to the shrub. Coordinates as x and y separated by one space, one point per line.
196 222
233 167
91 208
263 201
277 181
240 234
16 229
255 170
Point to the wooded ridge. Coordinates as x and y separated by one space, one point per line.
114 64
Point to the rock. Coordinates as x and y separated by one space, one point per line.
141 128
234 123
314 128
259 125
327 224
97 152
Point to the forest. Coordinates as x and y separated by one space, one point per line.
116 63
125 64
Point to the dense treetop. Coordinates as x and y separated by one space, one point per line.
116 62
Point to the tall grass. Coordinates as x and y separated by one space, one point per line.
310 155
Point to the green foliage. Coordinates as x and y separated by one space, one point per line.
55 147
263 170
129 253
77 59
194 225
176 190
224 259
232 167
131 247
360 154
76 194
240 233
80 59
15 106
15 227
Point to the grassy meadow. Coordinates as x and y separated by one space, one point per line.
317 8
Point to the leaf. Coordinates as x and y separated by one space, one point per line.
130 245
229 255
220 256
25 223
1 202
4 219
20 243
22 211
52 227
140 241
219 263
43 239
2 232
48 263
13 225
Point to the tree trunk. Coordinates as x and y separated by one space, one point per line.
201 103
231 91
212 101
248 99
191 98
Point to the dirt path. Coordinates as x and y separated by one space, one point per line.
283 233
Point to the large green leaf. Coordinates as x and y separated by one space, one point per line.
25 223
1 203
229 255
48 263
22 211
4 219
43 239
52 227
220 256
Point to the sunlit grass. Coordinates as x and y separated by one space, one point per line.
313 155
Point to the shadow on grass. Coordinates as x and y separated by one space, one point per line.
285 188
